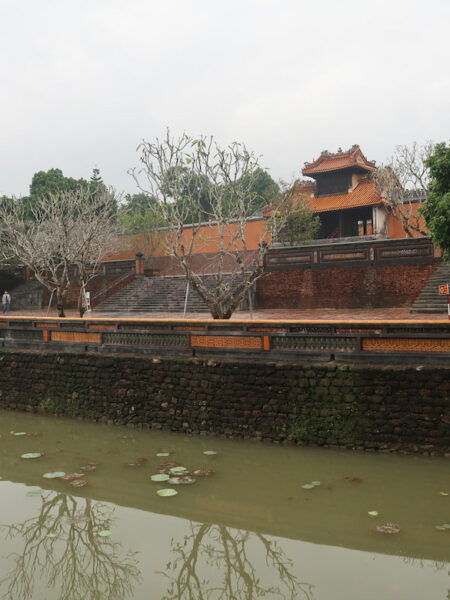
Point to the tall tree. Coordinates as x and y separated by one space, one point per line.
66 228
437 207
52 182
264 191
180 174
403 185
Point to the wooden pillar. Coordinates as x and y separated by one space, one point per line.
360 227
341 224
139 263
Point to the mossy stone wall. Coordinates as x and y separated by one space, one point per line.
372 407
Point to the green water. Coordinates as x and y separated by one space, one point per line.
249 531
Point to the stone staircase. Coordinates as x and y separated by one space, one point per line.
429 300
155 294
167 294
121 300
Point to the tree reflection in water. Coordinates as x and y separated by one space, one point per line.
62 546
228 552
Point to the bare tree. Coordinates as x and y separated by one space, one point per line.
94 236
204 192
61 547
228 553
68 228
403 183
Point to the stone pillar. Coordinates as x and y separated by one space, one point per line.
139 263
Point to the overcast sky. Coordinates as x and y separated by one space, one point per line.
82 83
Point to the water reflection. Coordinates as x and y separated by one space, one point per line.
62 548
236 576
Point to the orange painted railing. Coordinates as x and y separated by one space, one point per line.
279 340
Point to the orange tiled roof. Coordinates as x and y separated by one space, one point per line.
364 194
341 160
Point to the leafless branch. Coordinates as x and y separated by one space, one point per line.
403 182
205 192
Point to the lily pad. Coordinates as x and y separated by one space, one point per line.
308 486
168 464
77 483
53 475
179 470
182 480
20 433
388 528
443 493
104 533
167 492
160 477
372 513
72 476
88 467
209 452
31 455
203 472
163 454
443 527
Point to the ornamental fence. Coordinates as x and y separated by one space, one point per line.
371 341
352 253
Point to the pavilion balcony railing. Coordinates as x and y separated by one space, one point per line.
356 251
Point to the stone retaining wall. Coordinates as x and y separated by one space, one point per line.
370 407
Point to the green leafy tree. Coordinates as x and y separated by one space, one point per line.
135 204
263 190
139 219
301 226
437 206
52 182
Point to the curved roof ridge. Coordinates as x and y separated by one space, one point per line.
329 161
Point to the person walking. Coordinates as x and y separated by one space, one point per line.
6 301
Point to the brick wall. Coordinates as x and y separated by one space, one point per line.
343 287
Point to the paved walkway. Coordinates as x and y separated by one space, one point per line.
320 314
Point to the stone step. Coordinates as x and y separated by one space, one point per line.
429 300
156 294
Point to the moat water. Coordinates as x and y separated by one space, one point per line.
250 530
